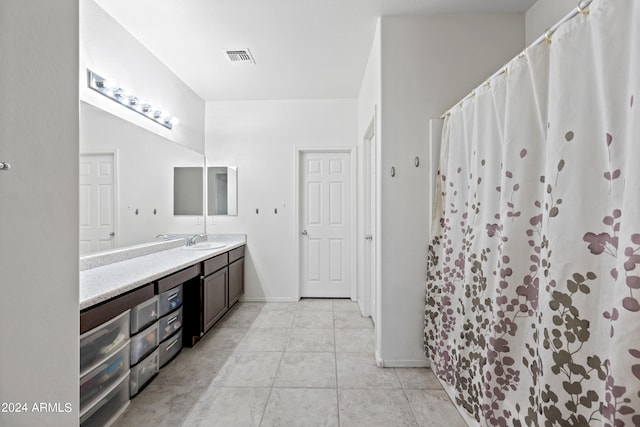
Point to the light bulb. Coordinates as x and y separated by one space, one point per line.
110 84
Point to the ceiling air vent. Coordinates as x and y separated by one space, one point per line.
240 56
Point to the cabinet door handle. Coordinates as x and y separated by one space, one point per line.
173 319
172 344
304 232
368 237
4 166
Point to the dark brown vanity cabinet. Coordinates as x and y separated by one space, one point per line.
215 290
236 275
221 285
215 299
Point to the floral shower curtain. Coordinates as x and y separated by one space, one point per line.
533 291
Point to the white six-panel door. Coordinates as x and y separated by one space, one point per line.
97 199
325 224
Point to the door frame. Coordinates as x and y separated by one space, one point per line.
370 292
352 151
113 152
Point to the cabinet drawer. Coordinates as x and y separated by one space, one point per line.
102 313
99 343
216 263
144 343
169 324
178 278
144 314
107 409
95 382
142 373
170 348
170 300
236 253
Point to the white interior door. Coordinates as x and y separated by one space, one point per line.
325 224
369 256
97 203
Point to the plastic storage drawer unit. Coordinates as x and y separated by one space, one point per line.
170 300
169 324
103 376
101 342
109 408
170 348
144 371
144 314
144 343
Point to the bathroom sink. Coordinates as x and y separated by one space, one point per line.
204 246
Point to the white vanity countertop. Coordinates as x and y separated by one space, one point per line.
108 281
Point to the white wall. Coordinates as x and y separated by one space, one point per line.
544 14
145 163
107 49
260 138
39 320
428 64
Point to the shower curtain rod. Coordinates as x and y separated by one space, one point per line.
583 9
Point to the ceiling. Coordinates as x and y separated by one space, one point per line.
302 48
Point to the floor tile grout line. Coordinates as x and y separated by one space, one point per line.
335 358
275 375
404 392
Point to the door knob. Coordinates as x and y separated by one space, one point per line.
304 232
368 237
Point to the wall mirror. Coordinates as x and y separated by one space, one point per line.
222 190
126 182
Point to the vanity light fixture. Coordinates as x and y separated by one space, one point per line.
113 91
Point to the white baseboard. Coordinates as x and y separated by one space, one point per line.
269 299
379 360
400 363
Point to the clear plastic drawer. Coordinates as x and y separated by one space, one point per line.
143 372
144 314
103 376
170 300
170 348
169 324
107 409
99 343
144 343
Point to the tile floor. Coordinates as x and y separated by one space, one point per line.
309 363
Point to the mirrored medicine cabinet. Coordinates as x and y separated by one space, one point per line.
221 194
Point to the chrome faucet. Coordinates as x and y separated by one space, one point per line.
162 236
192 240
